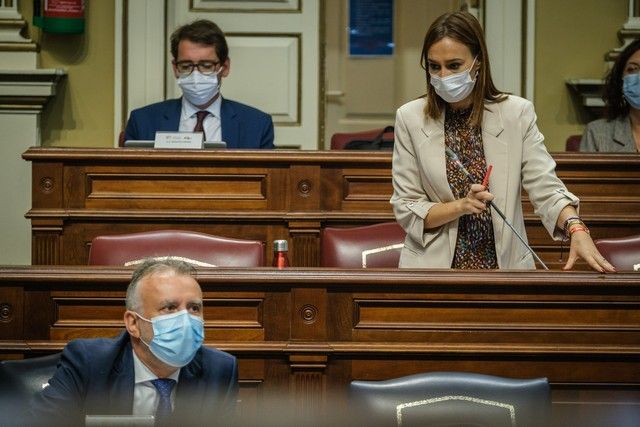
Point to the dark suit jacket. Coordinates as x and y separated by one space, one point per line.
96 376
242 126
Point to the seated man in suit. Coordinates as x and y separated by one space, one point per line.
200 62
158 366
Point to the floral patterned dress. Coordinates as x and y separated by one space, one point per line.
475 247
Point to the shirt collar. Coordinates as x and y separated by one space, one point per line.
190 110
144 374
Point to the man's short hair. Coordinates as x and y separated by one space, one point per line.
204 32
152 266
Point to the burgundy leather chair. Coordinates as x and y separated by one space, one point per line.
339 140
452 399
197 248
622 252
573 143
370 246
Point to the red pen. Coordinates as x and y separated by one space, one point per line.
485 181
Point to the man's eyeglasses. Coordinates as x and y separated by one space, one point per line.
205 67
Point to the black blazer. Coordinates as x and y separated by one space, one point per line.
96 376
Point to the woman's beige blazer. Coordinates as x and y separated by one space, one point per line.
515 147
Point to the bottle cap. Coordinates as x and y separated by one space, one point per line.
280 245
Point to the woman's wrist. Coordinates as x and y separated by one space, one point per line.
574 224
578 228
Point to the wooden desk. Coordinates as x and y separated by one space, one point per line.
306 333
266 195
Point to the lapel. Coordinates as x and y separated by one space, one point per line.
622 132
122 382
230 124
433 157
495 151
170 118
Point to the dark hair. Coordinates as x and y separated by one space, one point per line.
151 266
615 104
202 31
464 28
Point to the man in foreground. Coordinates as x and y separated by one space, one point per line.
158 366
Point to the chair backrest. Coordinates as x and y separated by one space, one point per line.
196 248
622 252
20 380
339 140
573 143
452 399
370 246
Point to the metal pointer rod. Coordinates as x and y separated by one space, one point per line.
454 157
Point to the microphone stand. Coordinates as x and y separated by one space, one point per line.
454 157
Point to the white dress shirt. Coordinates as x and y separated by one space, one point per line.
145 395
212 124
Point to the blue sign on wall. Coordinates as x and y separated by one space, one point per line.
371 27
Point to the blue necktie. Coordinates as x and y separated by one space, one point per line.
164 387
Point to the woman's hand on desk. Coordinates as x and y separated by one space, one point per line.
582 246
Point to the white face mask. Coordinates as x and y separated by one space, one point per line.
198 88
456 87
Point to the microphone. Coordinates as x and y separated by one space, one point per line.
454 158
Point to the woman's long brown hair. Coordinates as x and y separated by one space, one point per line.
464 28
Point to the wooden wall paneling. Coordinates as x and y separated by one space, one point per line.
305 193
170 187
277 313
366 190
234 317
579 329
46 242
309 314
11 312
308 386
47 222
302 191
304 243
47 185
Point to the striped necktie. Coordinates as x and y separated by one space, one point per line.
200 116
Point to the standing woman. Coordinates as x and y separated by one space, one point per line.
620 130
443 211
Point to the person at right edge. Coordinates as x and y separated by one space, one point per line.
619 131
445 213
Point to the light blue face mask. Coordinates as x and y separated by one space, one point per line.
199 88
631 89
176 337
